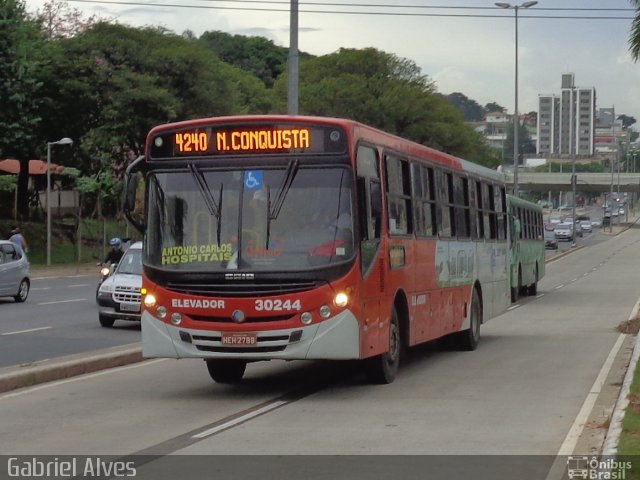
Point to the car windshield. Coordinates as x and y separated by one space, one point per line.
287 218
131 262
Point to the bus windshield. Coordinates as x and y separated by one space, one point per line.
271 219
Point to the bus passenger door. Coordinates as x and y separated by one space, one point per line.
371 263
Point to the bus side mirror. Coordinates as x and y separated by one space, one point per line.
130 191
131 187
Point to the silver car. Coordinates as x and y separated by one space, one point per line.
564 231
15 278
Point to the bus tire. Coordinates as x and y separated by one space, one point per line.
382 369
469 339
533 288
227 370
522 289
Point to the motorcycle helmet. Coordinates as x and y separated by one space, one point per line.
115 242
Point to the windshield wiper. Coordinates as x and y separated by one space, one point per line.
160 199
214 208
274 210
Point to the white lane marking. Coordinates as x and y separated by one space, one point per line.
572 437
540 295
40 288
63 301
241 419
60 276
559 286
27 331
78 285
87 376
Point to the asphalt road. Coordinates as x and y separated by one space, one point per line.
59 318
542 382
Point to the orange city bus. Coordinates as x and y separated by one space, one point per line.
293 237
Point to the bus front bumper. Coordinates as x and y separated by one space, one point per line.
337 338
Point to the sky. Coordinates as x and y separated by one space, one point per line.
465 46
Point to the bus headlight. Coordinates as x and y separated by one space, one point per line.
341 300
161 312
149 301
325 311
176 318
306 318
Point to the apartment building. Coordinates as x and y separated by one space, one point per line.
566 121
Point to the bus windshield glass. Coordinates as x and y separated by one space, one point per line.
288 218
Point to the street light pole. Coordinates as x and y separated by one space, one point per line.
572 150
515 113
62 141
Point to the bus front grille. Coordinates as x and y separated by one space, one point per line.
229 289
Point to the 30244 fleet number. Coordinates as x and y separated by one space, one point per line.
277 305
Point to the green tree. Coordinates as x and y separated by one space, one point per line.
257 55
58 20
526 145
627 121
634 39
108 86
20 59
494 107
387 92
471 110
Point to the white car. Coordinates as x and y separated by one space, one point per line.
15 278
119 295
586 226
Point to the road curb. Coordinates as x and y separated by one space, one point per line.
12 378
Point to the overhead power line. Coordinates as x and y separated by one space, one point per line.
528 14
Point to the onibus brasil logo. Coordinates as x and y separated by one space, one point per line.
595 468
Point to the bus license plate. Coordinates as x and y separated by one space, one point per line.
130 307
239 338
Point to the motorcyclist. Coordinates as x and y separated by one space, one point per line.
115 252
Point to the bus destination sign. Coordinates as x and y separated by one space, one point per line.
240 140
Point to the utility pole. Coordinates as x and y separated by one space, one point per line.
292 64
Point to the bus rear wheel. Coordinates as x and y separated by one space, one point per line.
382 369
226 371
468 339
533 288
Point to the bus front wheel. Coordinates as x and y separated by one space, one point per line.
382 369
226 371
